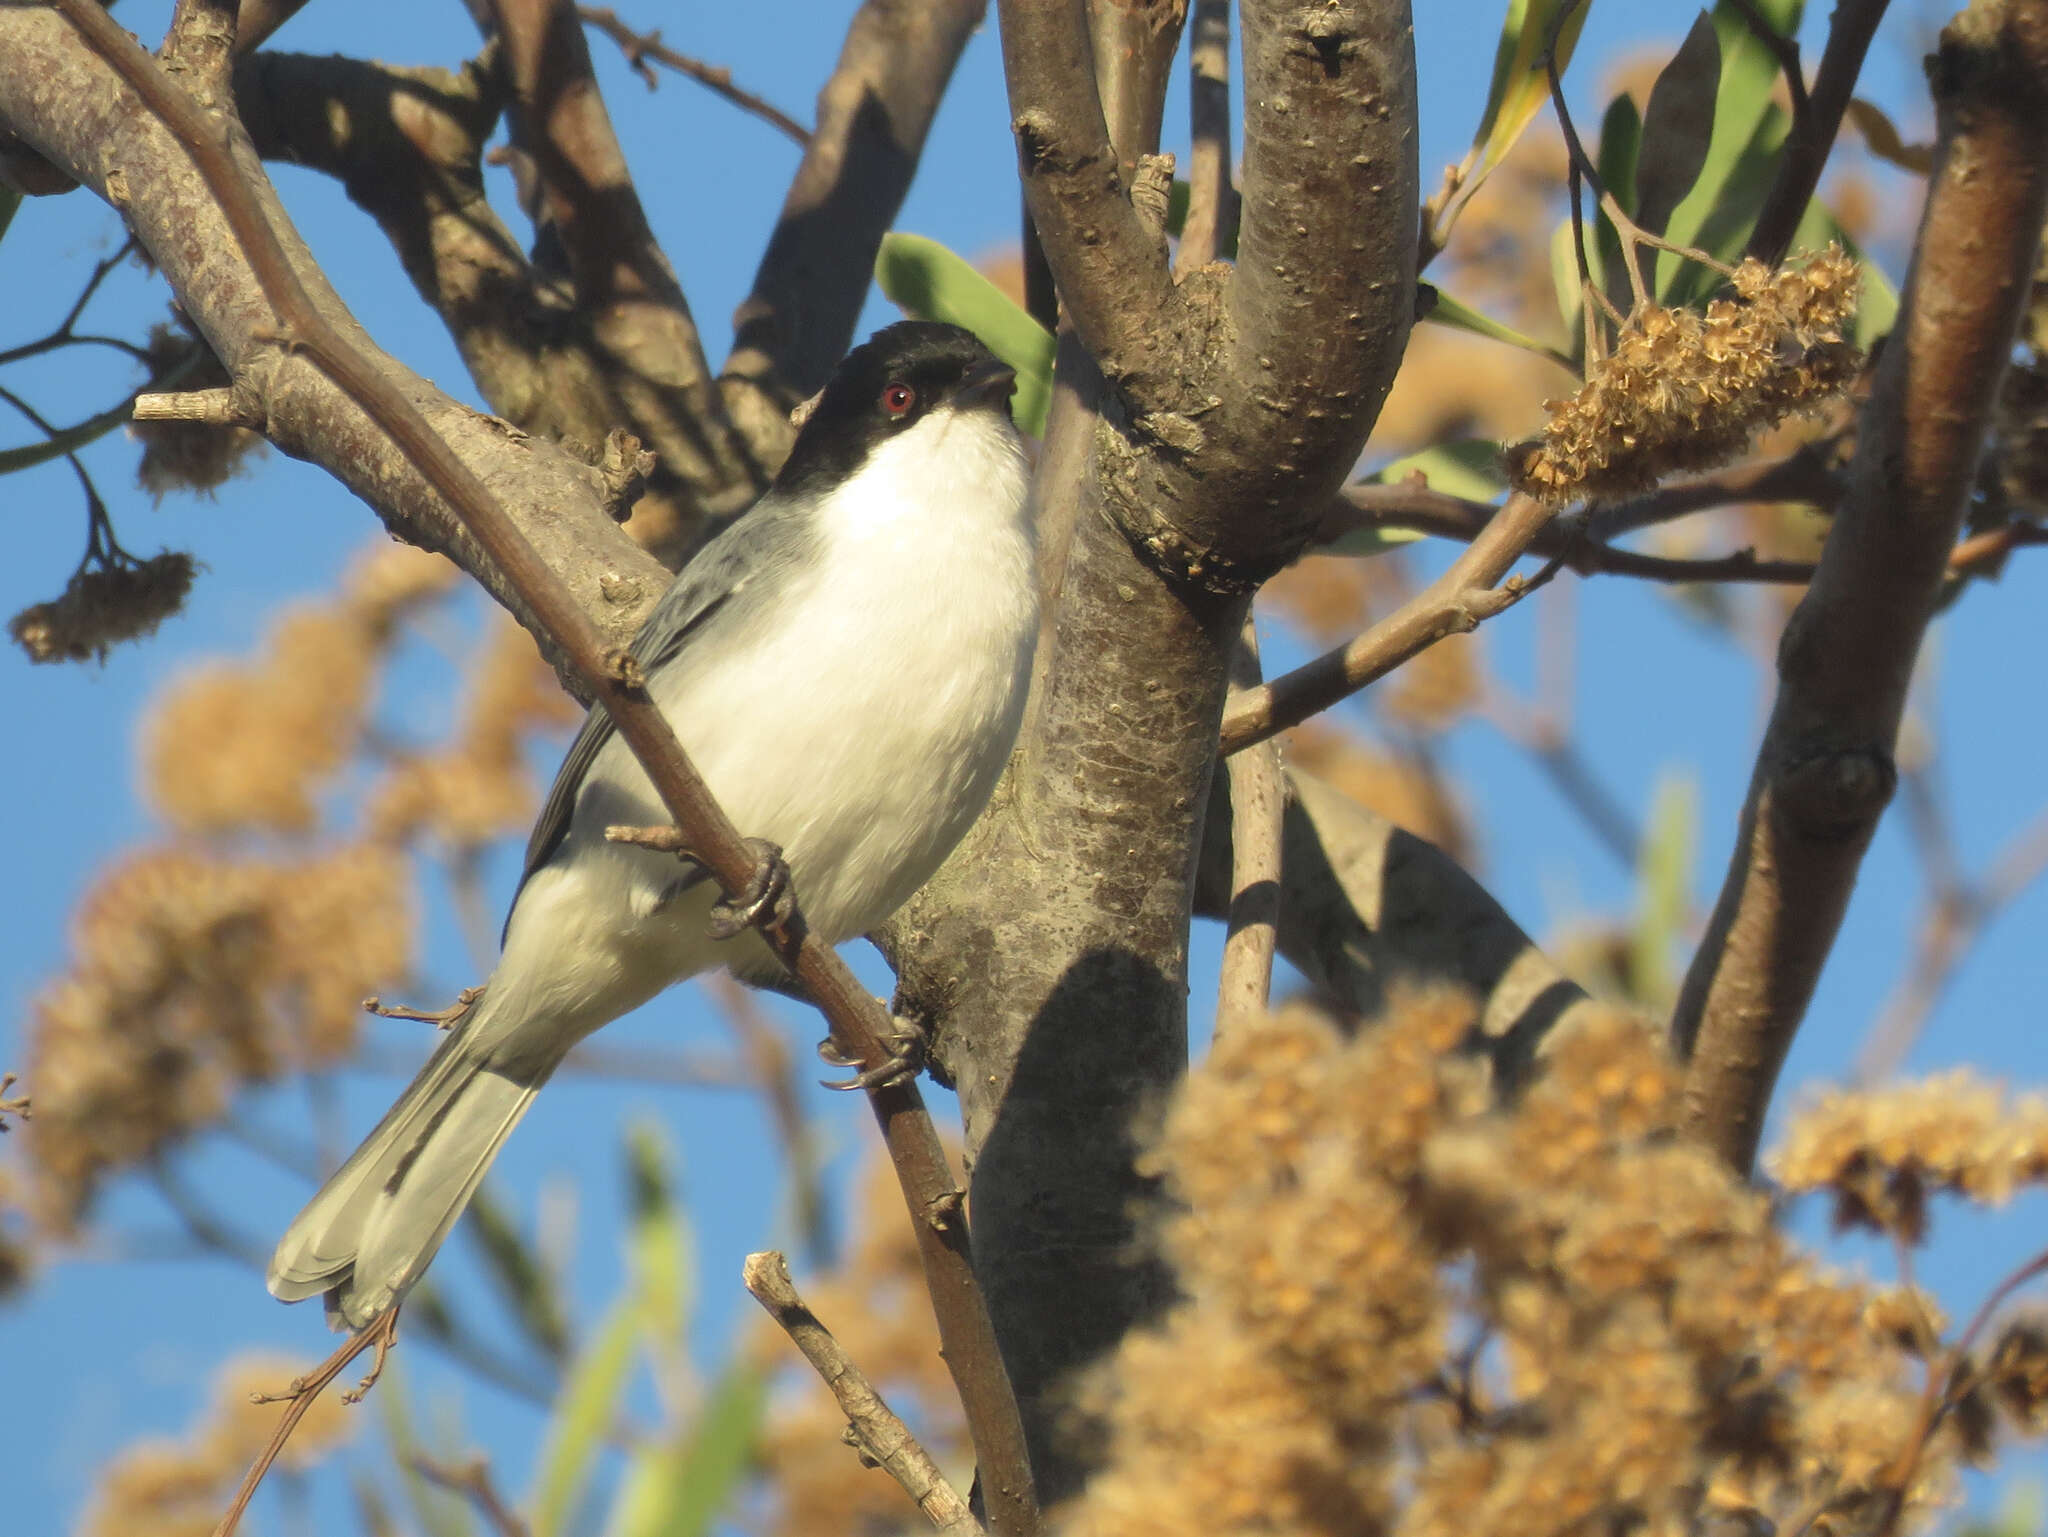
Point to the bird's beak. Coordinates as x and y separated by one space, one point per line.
988 383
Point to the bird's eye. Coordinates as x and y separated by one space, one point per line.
898 398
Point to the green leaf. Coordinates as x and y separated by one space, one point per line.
1521 83
1678 126
1467 467
679 1491
1664 888
932 283
522 1280
1621 135
1717 214
659 1248
589 1404
1446 311
1564 277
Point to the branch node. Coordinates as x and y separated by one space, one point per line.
624 669
1151 191
1835 795
624 468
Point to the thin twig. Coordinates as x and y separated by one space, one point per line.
860 1026
639 47
1454 604
875 1429
379 1333
1258 807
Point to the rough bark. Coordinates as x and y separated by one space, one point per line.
1051 952
1825 770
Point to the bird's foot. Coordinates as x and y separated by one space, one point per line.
765 902
907 1042
440 1019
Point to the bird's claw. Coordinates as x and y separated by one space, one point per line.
440 1019
765 902
907 1043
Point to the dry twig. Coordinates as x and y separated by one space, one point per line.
1456 602
639 47
876 1431
380 1333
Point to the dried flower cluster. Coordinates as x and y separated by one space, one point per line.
875 1304
1408 1311
176 1488
190 976
477 788
246 746
188 456
105 603
1686 391
1883 1152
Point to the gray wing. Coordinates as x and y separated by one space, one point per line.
706 585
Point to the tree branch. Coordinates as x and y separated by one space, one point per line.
1365 907
1212 200
1812 138
55 39
639 47
1825 770
62 97
873 1426
873 116
1455 603
1111 271
629 305
1257 794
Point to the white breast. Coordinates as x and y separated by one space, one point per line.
888 692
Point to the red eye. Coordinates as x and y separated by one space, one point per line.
897 399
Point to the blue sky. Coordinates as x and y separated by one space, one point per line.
100 1352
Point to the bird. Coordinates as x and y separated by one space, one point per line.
846 665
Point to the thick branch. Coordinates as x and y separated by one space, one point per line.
1325 274
62 97
1110 269
873 116
1825 770
1212 199
628 301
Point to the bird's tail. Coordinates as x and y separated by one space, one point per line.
376 1224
